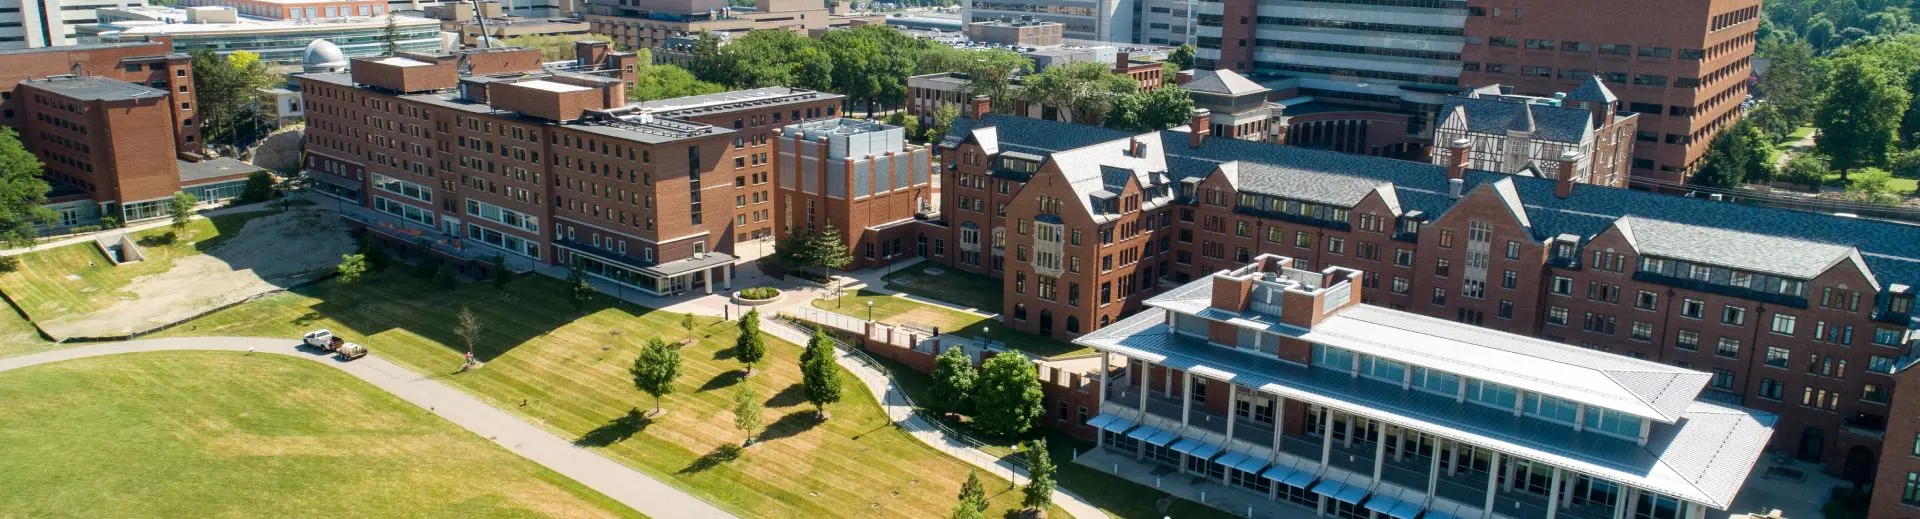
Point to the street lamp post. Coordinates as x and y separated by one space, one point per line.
869 310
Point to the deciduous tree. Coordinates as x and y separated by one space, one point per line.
467 326
181 207
259 187
750 347
1038 494
746 411
818 376
953 382
1083 92
1007 399
351 268
655 370
579 292
940 122
1152 110
1181 56
688 323
22 190
1862 110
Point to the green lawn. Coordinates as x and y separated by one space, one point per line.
153 435
19 337
568 372
964 289
1900 186
1116 496
899 310
43 289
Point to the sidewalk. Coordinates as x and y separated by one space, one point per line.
894 402
622 483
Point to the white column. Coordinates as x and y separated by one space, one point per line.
1400 446
1379 451
1106 365
1433 470
1633 502
1279 419
1326 436
706 276
1140 448
726 277
1493 482
1348 443
1566 498
1233 406
1512 470
1454 451
1553 495
1620 502
1186 397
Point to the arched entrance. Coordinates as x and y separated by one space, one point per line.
1046 323
1073 324
1859 467
1812 444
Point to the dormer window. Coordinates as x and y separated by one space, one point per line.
1563 250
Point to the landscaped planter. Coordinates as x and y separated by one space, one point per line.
760 295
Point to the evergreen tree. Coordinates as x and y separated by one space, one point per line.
390 34
22 190
499 268
579 292
1038 495
655 370
1007 399
750 347
972 493
818 376
953 382
827 250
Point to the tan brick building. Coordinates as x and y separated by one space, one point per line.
483 153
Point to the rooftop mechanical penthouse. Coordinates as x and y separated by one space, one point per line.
1276 381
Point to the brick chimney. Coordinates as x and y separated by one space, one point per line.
1457 154
1198 127
1569 166
1121 62
979 107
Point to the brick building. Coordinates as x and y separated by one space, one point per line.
859 177
1683 66
1276 382
1524 134
1776 305
149 63
482 153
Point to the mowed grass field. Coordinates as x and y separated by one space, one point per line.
43 289
19 337
567 370
899 310
219 434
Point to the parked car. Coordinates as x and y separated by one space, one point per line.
323 339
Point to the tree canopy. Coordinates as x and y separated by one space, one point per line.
225 88
819 378
1007 399
953 382
868 64
750 347
655 370
1861 112
1739 154
1084 92
1152 110
22 190
1038 494
1181 56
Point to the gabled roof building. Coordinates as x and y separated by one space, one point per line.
1526 135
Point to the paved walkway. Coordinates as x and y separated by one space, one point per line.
900 411
622 483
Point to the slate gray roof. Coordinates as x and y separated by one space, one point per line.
1225 82
1704 457
1305 183
1496 116
1749 251
1592 90
95 88
1617 382
1891 250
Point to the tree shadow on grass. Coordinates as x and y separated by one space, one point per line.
615 430
791 396
718 456
723 381
790 425
724 353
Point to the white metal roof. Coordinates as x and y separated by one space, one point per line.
550 86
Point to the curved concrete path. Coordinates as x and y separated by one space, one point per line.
622 483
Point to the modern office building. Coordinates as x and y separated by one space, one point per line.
278 41
1019 32
1277 381
35 24
1526 135
645 24
1798 314
1088 20
481 152
859 177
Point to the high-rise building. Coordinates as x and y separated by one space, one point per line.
46 23
647 24
1089 20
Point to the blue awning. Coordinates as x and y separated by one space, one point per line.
1278 473
1196 448
1392 507
1107 422
1162 438
1251 465
1231 458
1144 432
1341 491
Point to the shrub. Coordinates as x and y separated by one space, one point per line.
759 293
9 263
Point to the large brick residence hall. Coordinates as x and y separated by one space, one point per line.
1801 315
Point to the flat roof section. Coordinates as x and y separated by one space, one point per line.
193 173
550 86
401 62
95 88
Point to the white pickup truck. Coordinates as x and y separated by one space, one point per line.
325 340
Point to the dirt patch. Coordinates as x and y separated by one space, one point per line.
270 253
